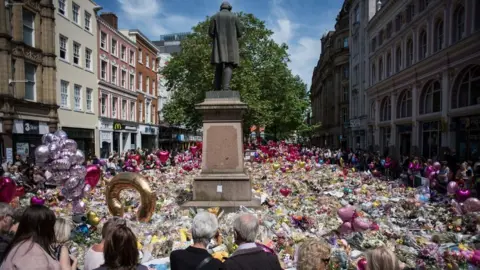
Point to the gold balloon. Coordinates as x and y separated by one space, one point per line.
128 180
94 221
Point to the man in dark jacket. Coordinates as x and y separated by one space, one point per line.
249 255
6 222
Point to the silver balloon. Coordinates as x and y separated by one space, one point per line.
78 206
87 188
42 154
72 182
61 134
78 171
60 176
69 144
79 157
55 150
61 164
48 138
77 192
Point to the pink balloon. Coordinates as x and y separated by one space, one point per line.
163 156
471 205
346 228
362 264
437 165
361 224
346 213
193 149
463 194
93 175
37 201
8 189
452 188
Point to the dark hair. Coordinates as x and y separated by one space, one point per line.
110 225
36 224
120 249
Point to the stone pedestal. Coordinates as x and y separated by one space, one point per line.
223 181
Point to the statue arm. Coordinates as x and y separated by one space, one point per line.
211 29
239 27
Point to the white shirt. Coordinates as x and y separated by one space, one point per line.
93 259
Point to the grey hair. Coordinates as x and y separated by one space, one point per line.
226 5
6 210
246 226
204 227
63 229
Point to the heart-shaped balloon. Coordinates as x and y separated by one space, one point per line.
452 188
37 201
471 205
285 191
187 167
276 166
346 213
19 192
193 149
163 156
362 264
93 175
8 189
360 224
463 194
301 164
345 228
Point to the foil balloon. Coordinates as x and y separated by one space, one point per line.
69 144
463 194
193 149
276 166
163 156
78 206
437 165
452 188
346 228
61 164
362 264
61 134
360 224
19 192
285 191
93 175
92 218
37 201
77 171
8 189
301 164
471 205
42 154
79 157
47 138
346 213
72 182
134 181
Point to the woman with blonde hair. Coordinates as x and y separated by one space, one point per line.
313 254
63 228
382 258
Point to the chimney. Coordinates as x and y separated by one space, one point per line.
110 18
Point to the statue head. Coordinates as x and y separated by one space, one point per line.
226 5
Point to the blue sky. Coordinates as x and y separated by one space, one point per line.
299 23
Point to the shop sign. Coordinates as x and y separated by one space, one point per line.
117 126
30 127
151 130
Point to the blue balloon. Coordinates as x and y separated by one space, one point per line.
82 229
382 162
321 161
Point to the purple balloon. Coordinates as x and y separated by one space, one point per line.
79 157
60 176
78 206
72 182
60 164
61 134
69 144
77 192
87 188
55 150
78 171
42 154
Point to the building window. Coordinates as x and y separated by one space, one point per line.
77 96
103 40
148 110
410 12
355 74
374 44
380 69
124 78
140 81
140 55
88 18
153 87
114 107
132 57
438 35
124 109
345 71
147 84
147 60
466 91
345 94
422 45
140 112
385 132
114 74
88 59
62 7
64 101
432 139
373 111
75 11
114 47
409 53
458 23
380 37
76 53
103 104
398 22
389 65
153 64
389 29
30 86
423 5
374 70
356 18
405 104
132 82
398 60
124 53
386 109
345 42
103 70
132 111
28 27
63 47
89 100
431 98
344 115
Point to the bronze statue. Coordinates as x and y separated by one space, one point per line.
225 30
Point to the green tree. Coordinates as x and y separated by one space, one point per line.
276 99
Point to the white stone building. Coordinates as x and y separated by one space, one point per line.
76 80
422 77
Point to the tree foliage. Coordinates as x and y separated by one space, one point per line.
276 99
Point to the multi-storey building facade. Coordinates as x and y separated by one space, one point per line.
77 88
330 86
146 70
28 106
118 119
423 74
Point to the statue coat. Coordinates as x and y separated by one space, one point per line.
225 30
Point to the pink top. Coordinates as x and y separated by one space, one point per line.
23 257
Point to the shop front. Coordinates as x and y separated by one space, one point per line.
85 139
467 137
149 136
431 138
118 137
27 135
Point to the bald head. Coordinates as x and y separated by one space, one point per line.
246 227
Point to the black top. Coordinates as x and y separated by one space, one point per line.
191 257
252 259
139 267
5 240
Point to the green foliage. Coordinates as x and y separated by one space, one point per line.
276 99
